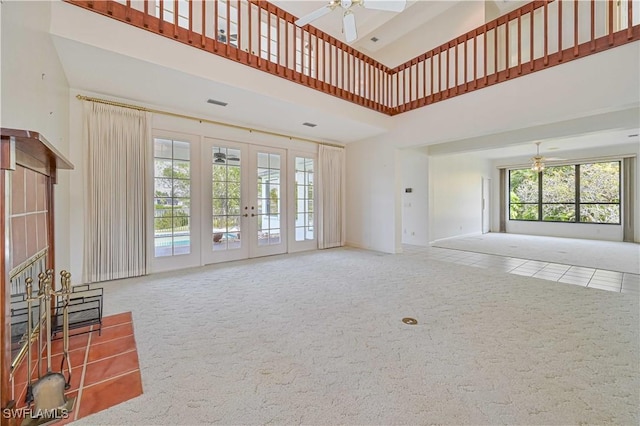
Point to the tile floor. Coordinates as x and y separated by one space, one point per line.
567 274
104 367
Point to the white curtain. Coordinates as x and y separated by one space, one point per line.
118 142
331 197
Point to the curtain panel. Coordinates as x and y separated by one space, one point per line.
118 144
331 191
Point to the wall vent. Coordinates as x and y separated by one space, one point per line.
215 102
309 124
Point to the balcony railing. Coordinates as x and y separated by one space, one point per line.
539 35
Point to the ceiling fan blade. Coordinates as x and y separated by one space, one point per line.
388 5
349 27
301 22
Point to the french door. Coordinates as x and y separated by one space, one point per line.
244 199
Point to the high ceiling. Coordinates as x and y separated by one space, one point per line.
390 27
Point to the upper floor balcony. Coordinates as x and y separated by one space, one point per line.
534 37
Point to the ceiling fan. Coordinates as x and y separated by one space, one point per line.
221 157
348 18
537 161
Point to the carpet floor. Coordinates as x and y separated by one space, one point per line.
318 338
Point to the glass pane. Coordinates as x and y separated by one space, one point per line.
233 206
181 169
299 164
300 219
219 189
274 236
309 179
233 155
300 206
233 189
559 184
300 178
162 148
600 213
163 246
182 244
181 188
163 187
181 150
559 212
523 185
310 235
274 161
219 172
219 206
310 205
309 165
162 168
273 221
300 234
523 211
600 182
263 160
180 225
233 173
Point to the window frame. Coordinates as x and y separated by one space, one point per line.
577 203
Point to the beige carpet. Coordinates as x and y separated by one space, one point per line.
609 255
317 338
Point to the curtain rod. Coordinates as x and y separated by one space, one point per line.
190 117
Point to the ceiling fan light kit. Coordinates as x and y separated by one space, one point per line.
537 164
348 18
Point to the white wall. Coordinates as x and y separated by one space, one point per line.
569 230
373 202
455 189
415 204
35 93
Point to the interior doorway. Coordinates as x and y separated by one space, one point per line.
486 205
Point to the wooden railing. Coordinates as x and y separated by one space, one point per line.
256 33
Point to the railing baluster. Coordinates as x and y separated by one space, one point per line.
457 71
546 32
475 59
268 38
495 51
175 18
519 42
127 15
484 50
259 37
239 28
507 58
203 35
317 54
227 40
532 45
466 81
560 30
593 25
575 28
145 14
190 38
250 34
161 25
610 3
424 79
447 87
215 25
630 19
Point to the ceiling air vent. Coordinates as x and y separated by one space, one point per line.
213 101
309 124
374 39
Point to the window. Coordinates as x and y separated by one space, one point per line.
303 199
172 199
583 193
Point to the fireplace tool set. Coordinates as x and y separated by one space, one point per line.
47 393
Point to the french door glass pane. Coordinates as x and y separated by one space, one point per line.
269 199
303 199
226 195
172 187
